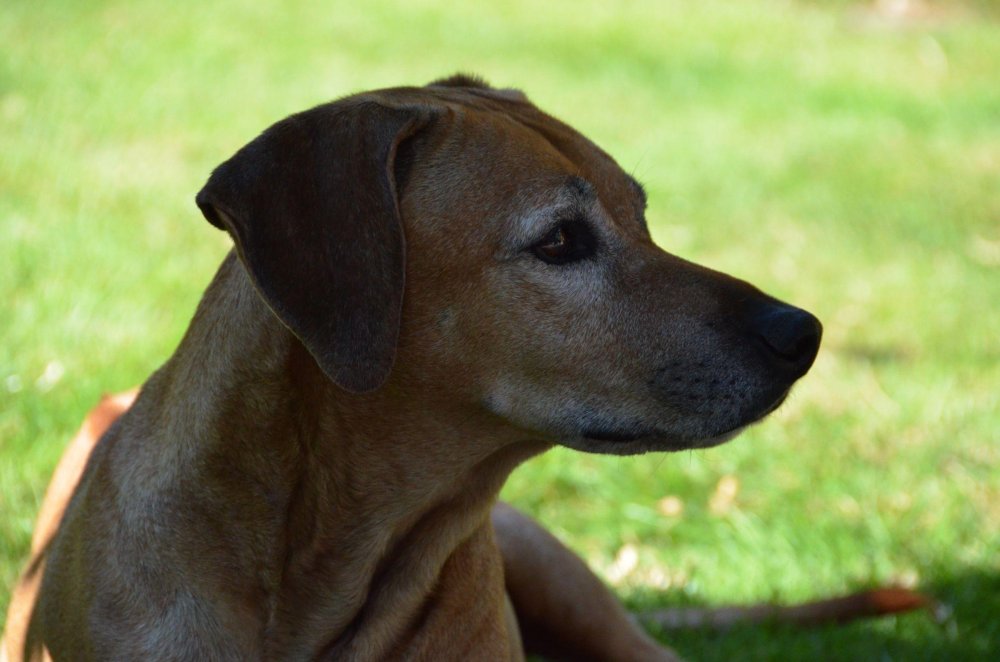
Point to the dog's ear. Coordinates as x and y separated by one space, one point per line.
312 207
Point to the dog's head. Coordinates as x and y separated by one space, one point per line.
527 284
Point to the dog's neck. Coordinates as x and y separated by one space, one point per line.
375 503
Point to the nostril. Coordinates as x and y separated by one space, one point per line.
790 333
802 347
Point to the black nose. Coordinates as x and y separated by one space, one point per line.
790 336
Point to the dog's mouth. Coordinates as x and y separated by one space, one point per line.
621 440
615 436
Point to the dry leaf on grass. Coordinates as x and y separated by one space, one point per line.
670 506
725 493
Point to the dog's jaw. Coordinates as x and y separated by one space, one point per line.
648 443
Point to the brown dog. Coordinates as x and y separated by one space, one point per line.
311 475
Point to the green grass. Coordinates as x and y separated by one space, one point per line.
842 160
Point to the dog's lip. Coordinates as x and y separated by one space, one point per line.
616 436
622 436
780 400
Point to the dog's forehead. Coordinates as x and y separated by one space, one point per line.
499 138
512 110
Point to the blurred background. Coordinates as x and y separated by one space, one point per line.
844 156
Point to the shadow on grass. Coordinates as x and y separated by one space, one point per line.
971 632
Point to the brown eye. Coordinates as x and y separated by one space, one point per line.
555 246
567 242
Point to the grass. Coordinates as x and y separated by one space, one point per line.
842 159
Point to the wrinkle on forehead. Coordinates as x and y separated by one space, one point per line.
584 189
510 159
621 194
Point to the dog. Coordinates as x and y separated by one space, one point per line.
429 286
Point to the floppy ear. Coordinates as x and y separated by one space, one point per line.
311 205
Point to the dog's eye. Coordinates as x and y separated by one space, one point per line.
567 242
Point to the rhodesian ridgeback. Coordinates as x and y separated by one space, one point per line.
429 286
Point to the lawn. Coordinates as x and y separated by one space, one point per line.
843 157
